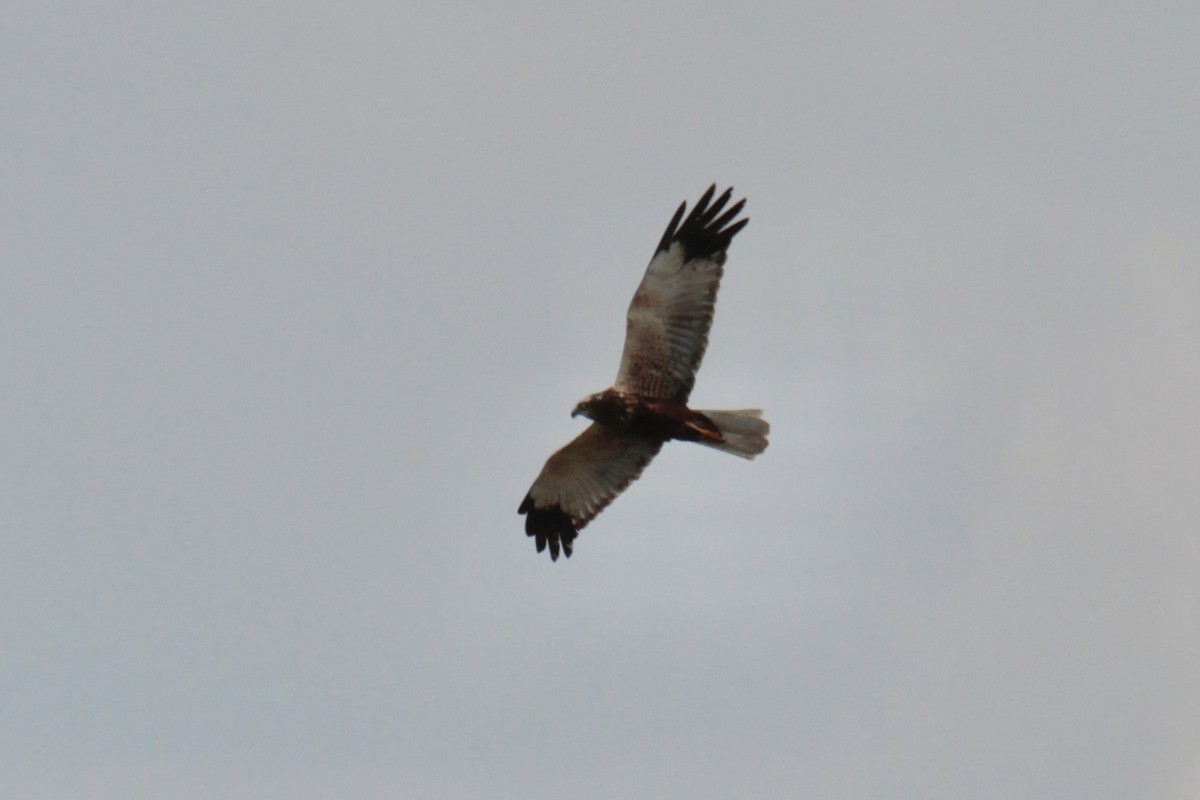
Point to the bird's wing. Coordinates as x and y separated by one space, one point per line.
581 479
667 326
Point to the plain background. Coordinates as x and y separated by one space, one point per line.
297 297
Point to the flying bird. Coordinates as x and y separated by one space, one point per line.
666 332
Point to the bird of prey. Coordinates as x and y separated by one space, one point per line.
666 332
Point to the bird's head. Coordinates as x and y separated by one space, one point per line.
607 408
585 406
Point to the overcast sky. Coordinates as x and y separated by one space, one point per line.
296 298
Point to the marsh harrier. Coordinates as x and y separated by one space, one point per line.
666 331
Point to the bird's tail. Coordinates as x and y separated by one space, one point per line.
744 432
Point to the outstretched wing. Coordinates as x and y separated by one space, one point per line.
666 329
581 479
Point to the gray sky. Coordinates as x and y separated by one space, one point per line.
298 297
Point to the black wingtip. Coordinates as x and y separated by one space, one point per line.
551 527
669 233
705 232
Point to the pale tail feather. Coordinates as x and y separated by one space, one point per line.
745 431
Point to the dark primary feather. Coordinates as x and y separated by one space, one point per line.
549 526
703 234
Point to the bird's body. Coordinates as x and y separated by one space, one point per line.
666 334
650 417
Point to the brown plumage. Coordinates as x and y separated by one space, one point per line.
666 334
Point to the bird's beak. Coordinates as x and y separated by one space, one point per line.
575 413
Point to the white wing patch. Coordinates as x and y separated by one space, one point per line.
666 329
